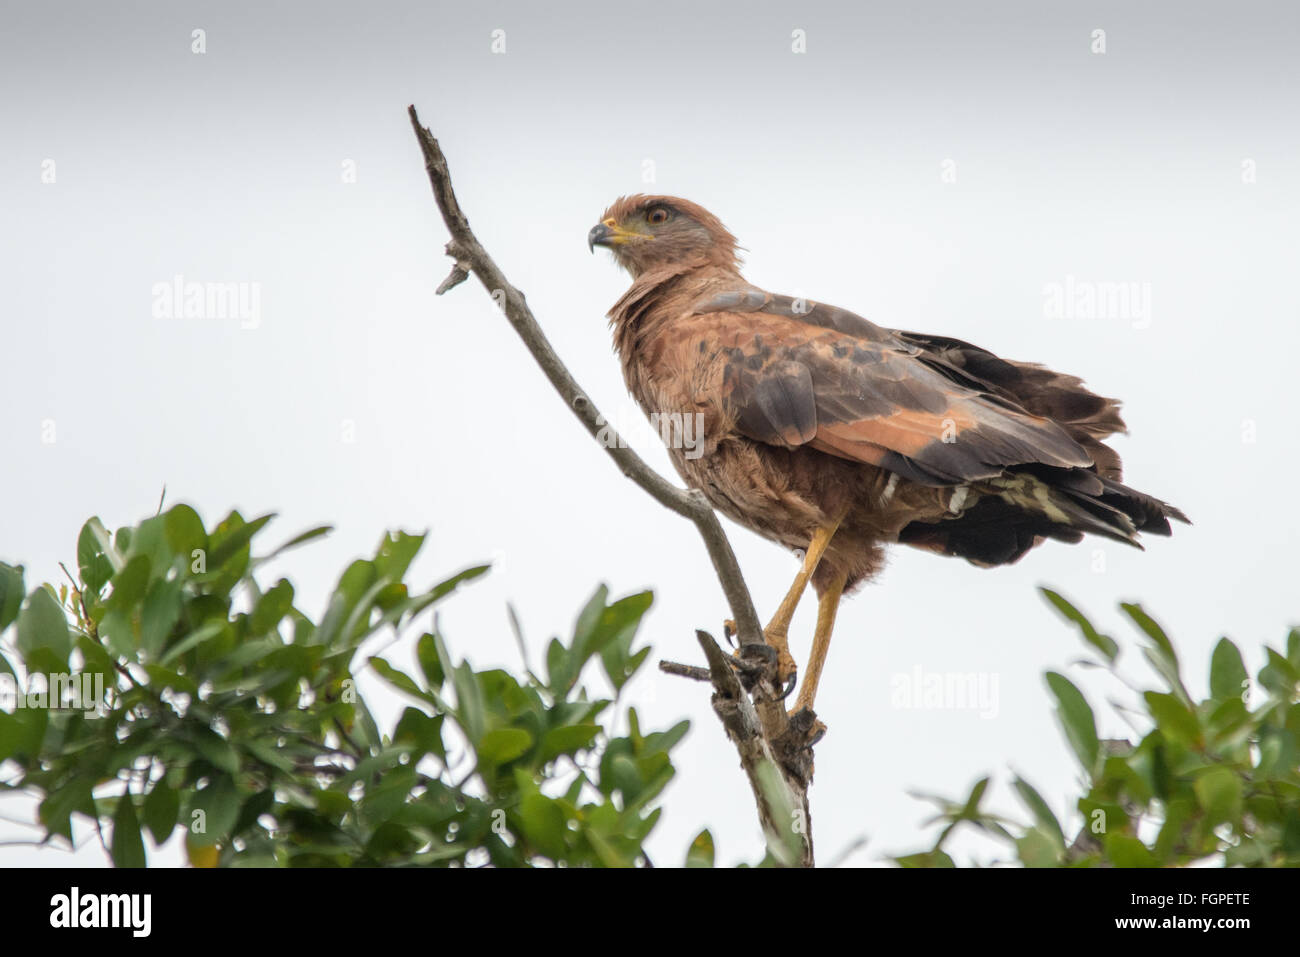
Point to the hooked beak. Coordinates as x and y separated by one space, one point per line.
609 233
599 236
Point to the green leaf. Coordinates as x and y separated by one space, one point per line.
425 732
11 593
161 809
150 541
1228 676
218 752
1076 717
545 825
1047 821
398 679
1177 813
444 588
1218 791
219 803
184 531
928 859
1161 654
395 554
127 847
616 631
667 740
1279 675
271 607
469 702
161 611
1151 629
129 583
426 654
568 740
585 627
310 535
113 552
1174 718
1127 851
970 810
205 632
55 812
1037 848
43 637
700 853
22 733
559 677
503 744
92 561
1103 643
232 538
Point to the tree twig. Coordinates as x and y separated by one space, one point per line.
470 256
694 672
750 708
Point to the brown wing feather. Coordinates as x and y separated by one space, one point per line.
1087 417
870 397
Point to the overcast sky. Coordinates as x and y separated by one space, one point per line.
974 171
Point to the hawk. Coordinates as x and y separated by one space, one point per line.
836 437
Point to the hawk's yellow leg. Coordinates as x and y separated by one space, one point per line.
777 633
826 608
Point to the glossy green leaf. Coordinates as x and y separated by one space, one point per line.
1076 717
159 615
700 853
1228 676
217 808
1174 718
568 740
160 811
11 593
43 638
545 825
272 607
503 744
1125 850
1103 643
184 531
127 847
92 562
1218 791
426 653
1043 815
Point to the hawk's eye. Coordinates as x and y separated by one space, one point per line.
656 216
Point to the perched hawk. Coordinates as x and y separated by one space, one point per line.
829 434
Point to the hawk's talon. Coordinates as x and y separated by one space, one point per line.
806 726
818 732
729 631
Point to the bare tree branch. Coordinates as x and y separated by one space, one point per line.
772 747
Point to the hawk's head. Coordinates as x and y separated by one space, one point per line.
647 232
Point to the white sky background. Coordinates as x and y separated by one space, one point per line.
226 166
